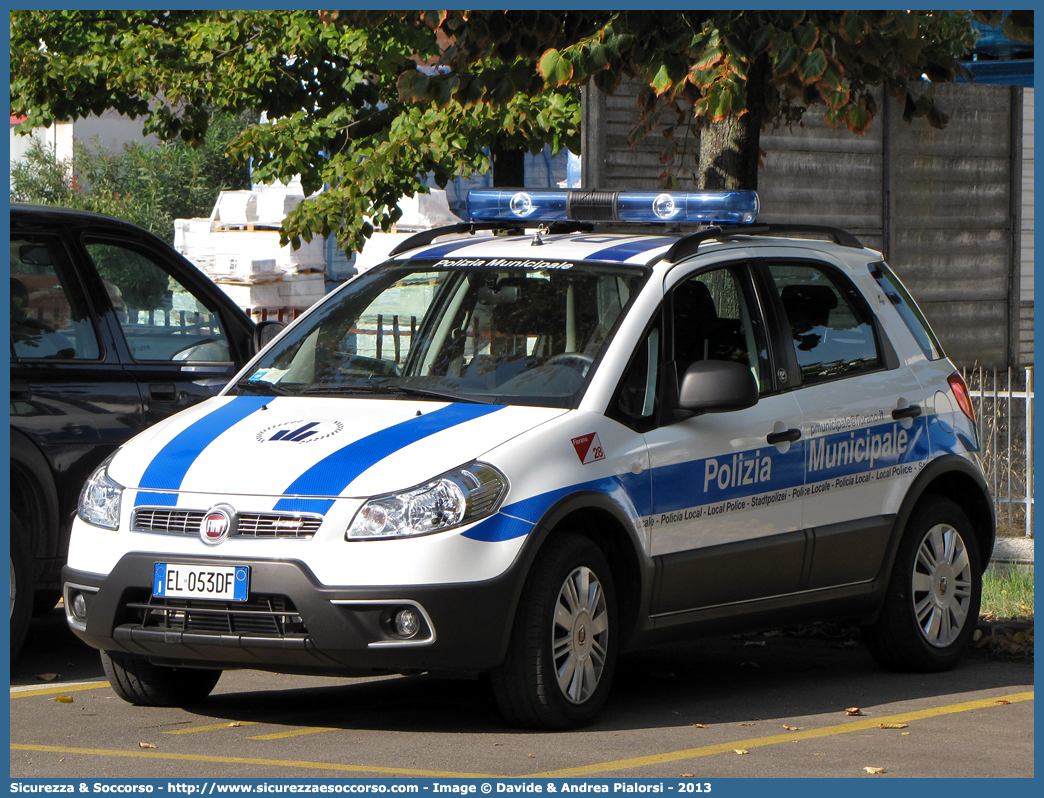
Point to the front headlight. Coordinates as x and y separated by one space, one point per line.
100 498
453 499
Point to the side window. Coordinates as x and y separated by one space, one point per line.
49 314
713 321
636 400
829 323
160 318
908 310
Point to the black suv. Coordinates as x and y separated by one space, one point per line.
111 331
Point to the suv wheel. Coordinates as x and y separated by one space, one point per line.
563 645
932 605
22 584
138 681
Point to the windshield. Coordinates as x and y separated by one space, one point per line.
457 330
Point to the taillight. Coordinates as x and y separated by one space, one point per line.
960 391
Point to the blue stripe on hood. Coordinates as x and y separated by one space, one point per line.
336 471
442 250
168 468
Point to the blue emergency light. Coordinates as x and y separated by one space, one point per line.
579 205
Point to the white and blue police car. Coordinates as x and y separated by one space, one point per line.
527 443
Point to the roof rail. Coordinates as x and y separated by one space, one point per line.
427 236
688 245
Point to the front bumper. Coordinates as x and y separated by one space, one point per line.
294 624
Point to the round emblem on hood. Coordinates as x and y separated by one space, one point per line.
300 431
217 525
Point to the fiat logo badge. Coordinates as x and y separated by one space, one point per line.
217 525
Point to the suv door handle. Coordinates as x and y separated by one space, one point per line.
911 411
786 436
163 392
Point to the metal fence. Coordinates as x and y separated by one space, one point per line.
1003 402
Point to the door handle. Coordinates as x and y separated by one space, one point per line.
786 436
910 411
163 392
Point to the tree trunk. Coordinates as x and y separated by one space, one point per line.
730 149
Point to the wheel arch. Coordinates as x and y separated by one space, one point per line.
602 520
34 496
955 478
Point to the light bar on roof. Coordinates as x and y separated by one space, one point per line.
578 205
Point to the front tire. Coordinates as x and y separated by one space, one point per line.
138 681
563 646
932 605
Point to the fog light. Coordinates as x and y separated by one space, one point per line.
79 607
407 623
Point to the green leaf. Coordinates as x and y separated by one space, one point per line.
1018 25
859 117
762 39
852 27
661 81
806 36
413 86
786 62
812 66
554 69
708 58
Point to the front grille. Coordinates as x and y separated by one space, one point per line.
167 521
272 616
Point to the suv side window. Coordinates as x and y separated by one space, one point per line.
637 398
908 310
830 324
713 321
50 318
160 318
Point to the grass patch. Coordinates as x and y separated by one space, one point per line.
1007 593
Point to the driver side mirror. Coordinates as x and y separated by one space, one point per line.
265 332
717 386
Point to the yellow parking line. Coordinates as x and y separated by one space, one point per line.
294 733
214 727
759 742
243 760
70 688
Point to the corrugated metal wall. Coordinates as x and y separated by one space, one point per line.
943 206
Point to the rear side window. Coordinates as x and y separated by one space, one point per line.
829 322
908 310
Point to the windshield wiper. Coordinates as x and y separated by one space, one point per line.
449 397
263 388
385 388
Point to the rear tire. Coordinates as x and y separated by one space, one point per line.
932 605
138 681
563 646
22 585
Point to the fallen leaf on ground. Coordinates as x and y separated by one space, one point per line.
47 677
853 711
688 775
700 726
892 725
63 699
791 728
904 734
874 770
741 750
146 745
234 724
744 724
1002 701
